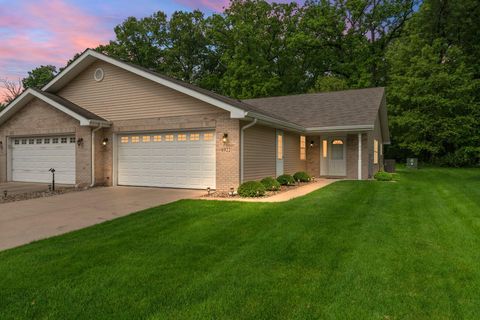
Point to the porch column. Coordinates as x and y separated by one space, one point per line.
359 156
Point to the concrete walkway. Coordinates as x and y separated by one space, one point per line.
284 196
24 221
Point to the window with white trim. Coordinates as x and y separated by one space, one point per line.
182 137
63 140
135 139
208 136
279 146
303 153
17 141
157 138
194 136
31 141
375 151
146 139
324 148
46 141
124 139
24 141
39 141
72 140
55 140
169 137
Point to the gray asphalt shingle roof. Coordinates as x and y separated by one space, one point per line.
329 109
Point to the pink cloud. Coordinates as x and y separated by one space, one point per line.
216 5
45 32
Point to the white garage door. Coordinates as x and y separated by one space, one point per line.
172 160
32 157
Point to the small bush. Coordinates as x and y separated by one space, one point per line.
285 180
270 184
251 189
383 176
301 176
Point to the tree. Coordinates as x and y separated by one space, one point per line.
2 106
434 98
12 89
39 77
329 83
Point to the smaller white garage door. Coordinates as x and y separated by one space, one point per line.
32 157
171 160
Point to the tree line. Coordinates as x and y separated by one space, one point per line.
424 52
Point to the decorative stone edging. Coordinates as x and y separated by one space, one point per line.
35 194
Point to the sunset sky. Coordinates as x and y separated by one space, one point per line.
40 32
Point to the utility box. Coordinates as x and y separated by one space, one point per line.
389 165
412 163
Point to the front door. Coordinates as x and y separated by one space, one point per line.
336 157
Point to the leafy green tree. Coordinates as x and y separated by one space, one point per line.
2 106
329 83
39 77
433 100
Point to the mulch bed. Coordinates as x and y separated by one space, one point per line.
215 194
35 194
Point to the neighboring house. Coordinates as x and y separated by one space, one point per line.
102 121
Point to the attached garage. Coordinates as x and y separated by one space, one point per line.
32 158
167 159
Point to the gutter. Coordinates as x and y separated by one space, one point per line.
242 134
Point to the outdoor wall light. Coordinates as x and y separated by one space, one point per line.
104 142
79 142
225 138
312 143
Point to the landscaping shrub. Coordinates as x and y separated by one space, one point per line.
251 189
285 180
383 176
270 184
301 176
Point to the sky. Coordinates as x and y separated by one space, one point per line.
41 32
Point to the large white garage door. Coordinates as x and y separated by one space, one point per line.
172 160
32 157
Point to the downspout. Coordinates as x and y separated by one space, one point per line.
251 124
93 154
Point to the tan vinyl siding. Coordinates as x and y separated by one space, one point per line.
292 162
259 153
122 95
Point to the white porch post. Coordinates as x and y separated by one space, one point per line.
359 156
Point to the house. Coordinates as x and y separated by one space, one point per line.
102 121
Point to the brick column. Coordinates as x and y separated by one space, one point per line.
227 154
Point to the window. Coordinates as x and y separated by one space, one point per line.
375 151
182 137
324 148
46 141
169 137
279 147
124 139
157 138
381 149
302 148
72 140
17 141
55 140
39 141
63 140
31 141
194 136
337 142
135 139
24 141
208 136
146 139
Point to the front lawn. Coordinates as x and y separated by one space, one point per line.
356 249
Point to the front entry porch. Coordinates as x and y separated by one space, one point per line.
338 155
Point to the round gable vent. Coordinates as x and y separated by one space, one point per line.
99 74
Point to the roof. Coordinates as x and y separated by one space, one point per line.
330 109
85 117
340 110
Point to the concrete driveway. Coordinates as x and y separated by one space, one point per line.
25 221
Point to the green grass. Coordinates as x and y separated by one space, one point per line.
408 249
